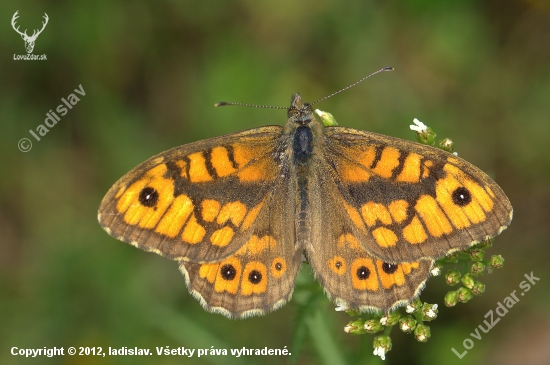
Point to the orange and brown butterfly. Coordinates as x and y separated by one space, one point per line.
370 213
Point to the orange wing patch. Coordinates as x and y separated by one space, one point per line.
373 212
254 279
354 216
176 216
221 161
351 172
256 245
426 167
253 164
411 169
193 232
414 232
224 275
394 274
222 237
363 155
210 209
388 161
198 171
145 201
338 265
252 215
348 242
384 237
278 267
234 211
398 210
363 274
433 217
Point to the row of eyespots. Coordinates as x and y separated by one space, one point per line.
230 276
364 271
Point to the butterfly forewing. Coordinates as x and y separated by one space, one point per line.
408 201
198 201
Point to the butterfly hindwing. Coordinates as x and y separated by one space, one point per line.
259 277
349 274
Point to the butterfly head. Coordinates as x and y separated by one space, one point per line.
300 112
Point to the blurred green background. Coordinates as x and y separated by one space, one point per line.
475 71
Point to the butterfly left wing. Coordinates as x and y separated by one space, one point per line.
407 201
198 201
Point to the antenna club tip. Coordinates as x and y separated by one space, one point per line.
388 68
221 103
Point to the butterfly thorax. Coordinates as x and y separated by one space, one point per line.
302 127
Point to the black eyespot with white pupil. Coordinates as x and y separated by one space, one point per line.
255 277
338 264
228 272
389 268
461 196
278 266
363 273
148 197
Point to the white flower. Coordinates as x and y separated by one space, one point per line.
421 338
384 320
405 327
419 127
436 271
410 309
341 307
431 313
380 351
455 153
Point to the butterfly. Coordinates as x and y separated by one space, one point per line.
370 213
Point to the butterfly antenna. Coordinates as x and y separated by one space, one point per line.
355 83
223 103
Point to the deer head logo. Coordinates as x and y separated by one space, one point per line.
29 41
